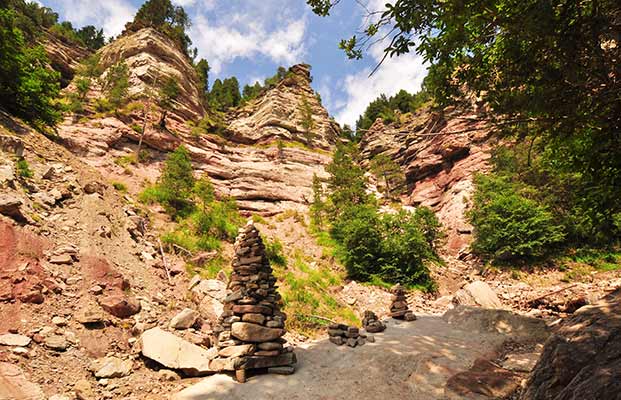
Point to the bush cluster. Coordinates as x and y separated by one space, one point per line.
533 206
203 220
374 247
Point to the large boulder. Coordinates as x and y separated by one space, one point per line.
582 360
15 386
175 353
479 294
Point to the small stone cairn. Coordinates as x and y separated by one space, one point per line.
399 307
371 323
250 329
341 334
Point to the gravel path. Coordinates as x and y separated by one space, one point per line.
410 360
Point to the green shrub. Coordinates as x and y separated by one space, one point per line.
393 248
176 182
274 252
220 220
121 187
23 168
137 128
188 240
510 226
151 195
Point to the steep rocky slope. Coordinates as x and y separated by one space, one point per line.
79 271
245 162
439 154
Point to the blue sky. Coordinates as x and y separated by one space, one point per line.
251 38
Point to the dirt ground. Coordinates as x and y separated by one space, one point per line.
410 360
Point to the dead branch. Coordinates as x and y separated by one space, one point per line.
165 263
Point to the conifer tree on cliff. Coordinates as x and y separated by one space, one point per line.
165 17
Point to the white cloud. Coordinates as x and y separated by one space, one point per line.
247 30
111 15
403 72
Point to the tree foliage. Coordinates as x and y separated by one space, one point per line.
384 107
115 85
388 173
509 225
165 17
373 246
27 87
202 69
203 219
225 94
549 69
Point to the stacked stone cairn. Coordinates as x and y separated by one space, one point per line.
250 329
399 307
371 323
341 334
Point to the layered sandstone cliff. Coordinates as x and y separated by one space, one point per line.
64 58
265 158
152 58
439 153
290 111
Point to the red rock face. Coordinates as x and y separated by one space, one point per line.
21 275
98 271
440 155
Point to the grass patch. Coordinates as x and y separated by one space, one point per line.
121 187
126 161
274 252
306 295
23 169
257 219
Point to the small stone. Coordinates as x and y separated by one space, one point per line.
184 319
370 338
61 259
337 340
90 315
351 342
167 375
270 346
111 367
11 339
96 290
255 333
254 318
237 351
22 351
83 390
120 305
287 370
56 342
59 321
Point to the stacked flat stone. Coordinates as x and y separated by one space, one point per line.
399 307
341 334
251 327
371 323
